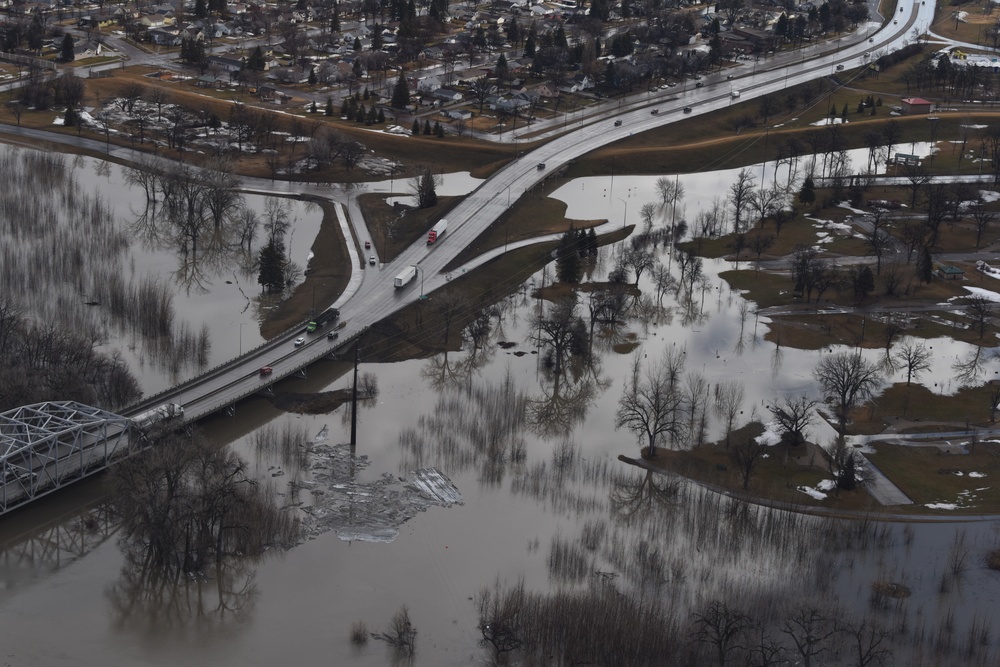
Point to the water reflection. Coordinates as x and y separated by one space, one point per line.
145 600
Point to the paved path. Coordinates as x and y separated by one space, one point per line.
881 489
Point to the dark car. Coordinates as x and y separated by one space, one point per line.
687 109
618 123
655 112
333 335
266 370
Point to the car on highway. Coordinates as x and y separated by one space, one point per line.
300 341
618 123
312 326
368 245
687 109
699 84
655 112
333 335
840 67
266 370
895 22
730 77
371 260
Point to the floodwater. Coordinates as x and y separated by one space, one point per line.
552 478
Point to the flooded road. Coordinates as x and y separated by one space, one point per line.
543 498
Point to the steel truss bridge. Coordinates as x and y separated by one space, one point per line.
46 446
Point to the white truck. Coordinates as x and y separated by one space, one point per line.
160 413
437 231
736 94
405 276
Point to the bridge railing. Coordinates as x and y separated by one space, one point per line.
158 398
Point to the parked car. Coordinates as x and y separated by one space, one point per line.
371 260
266 370
300 341
618 123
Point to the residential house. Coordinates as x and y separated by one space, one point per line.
447 95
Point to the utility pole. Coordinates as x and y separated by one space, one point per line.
354 402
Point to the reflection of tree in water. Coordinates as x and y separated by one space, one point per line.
285 446
199 214
631 494
145 599
477 424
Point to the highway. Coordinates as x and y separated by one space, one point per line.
375 298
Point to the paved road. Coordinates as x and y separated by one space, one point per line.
376 299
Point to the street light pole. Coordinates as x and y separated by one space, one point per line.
625 212
421 270
241 338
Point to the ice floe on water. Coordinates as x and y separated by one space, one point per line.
367 511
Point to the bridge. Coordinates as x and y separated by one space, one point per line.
40 460
46 446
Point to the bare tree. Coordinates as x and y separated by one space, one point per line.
720 626
981 218
652 402
793 416
918 177
481 90
501 616
729 397
915 358
869 643
739 197
746 454
648 215
978 309
847 378
811 630
401 633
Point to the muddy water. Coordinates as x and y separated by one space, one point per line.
301 603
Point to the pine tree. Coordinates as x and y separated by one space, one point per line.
312 77
427 126
568 268
66 54
381 116
312 107
807 195
438 130
416 127
925 265
329 108
255 63
359 115
201 9
272 266
427 191
335 18
400 93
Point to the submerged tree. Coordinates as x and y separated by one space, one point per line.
185 504
653 401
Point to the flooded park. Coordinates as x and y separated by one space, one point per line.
480 478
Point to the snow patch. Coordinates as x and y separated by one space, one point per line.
989 295
977 475
771 435
941 506
828 121
811 492
827 485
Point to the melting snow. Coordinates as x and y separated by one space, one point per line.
977 475
985 293
809 491
827 485
771 436
941 506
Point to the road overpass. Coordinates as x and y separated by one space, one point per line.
375 297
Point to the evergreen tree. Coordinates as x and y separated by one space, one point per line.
502 69
201 8
591 241
381 116
359 115
255 63
925 265
807 195
329 108
427 191
312 107
66 54
272 266
427 126
847 475
864 283
568 267
400 93
514 33
371 117
366 94
357 44
438 130
416 127
312 77
529 44
335 17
